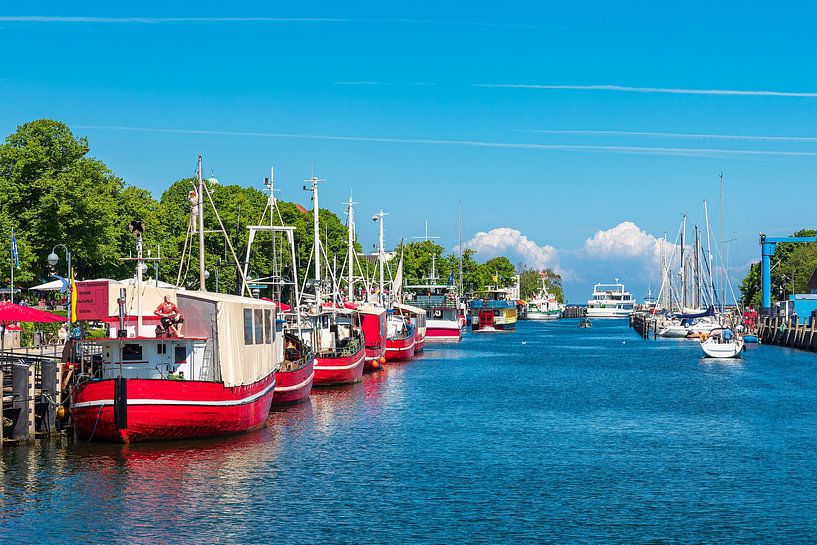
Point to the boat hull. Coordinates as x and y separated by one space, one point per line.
713 349
294 386
342 370
161 410
400 349
608 313
419 343
444 334
543 315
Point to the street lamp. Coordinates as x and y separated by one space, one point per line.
53 259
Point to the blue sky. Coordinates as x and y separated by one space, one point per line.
552 123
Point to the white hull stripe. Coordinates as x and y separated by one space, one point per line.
296 386
338 367
441 338
147 401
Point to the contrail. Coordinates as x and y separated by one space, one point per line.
152 20
658 90
157 20
648 134
690 152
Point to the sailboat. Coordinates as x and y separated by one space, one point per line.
140 385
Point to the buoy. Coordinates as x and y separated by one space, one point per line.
60 412
382 359
375 364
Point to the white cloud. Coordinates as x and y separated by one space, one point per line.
624 240
502 240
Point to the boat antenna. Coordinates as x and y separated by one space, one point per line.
202 284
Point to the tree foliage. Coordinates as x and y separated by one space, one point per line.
530 282
52 192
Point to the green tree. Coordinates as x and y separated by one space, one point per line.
530 282
53 193
792 267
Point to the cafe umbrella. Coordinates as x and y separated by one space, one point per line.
11 313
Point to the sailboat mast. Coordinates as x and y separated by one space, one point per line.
683 263
721 240
697 269
709 257
202 279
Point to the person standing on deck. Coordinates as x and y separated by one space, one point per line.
172 319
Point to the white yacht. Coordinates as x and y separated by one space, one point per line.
610 301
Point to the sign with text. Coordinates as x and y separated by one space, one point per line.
92 300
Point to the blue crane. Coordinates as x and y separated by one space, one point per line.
767 247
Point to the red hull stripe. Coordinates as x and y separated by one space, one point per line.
296 386
146 401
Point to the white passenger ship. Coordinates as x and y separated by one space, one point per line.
610 301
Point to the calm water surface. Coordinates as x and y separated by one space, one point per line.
548 434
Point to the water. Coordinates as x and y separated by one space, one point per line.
548 434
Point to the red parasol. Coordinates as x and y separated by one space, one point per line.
11 313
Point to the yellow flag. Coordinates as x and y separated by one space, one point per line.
73 298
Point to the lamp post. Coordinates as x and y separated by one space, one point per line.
53 259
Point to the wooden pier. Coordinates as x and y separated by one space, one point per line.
31 385
782 332
643 323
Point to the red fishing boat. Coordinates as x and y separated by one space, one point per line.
142 384
400 338
340 354
218 380
417 317
294 378
373 322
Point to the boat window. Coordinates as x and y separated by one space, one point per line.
131 352
161 348
248 326
270 326
180 354
259 326
496 313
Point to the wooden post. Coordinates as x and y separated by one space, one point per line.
48 391
810 344
20 403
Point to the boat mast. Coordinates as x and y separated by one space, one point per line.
351 249
202 286
683 263
709 258
459 229
316 233
381 257
721 240
697 268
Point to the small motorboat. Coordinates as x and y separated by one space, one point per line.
722 343
585 323
751 339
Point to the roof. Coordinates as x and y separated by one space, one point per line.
409 308
225 297
812 284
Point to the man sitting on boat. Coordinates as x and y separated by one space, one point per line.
172 319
